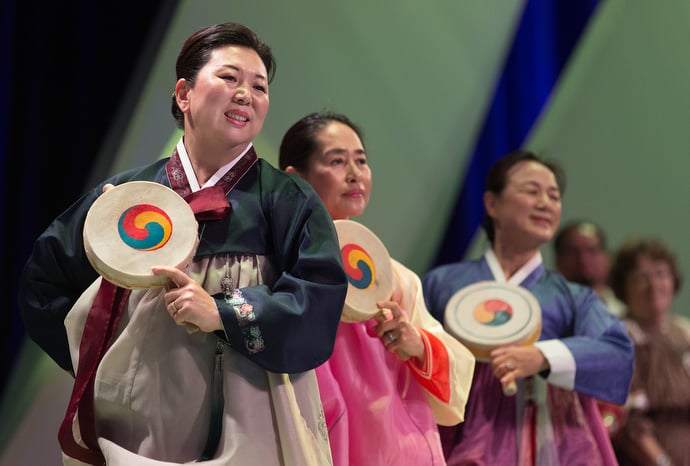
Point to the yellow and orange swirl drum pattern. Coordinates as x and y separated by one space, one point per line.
145 227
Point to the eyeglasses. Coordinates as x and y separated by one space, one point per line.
657 273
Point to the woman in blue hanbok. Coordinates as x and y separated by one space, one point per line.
582 354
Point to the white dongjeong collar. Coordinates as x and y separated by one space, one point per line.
517 278
189 171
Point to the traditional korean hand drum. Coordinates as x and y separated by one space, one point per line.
368 268
135 226
489 314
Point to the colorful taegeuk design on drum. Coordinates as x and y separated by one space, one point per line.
359 266
145 227
493 312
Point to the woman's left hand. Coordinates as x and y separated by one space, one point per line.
397 333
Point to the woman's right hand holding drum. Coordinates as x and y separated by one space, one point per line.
188 303
511 362
397 333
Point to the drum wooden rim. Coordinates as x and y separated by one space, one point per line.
124 264
368 268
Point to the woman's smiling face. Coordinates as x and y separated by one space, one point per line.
228 100
529 208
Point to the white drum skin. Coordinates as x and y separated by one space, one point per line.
489 314
135 226
368 268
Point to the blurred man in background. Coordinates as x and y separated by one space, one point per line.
581 257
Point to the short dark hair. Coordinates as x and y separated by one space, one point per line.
626 259
560 238
196 52
497 178
299 142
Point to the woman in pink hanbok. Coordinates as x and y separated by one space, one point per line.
393 378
